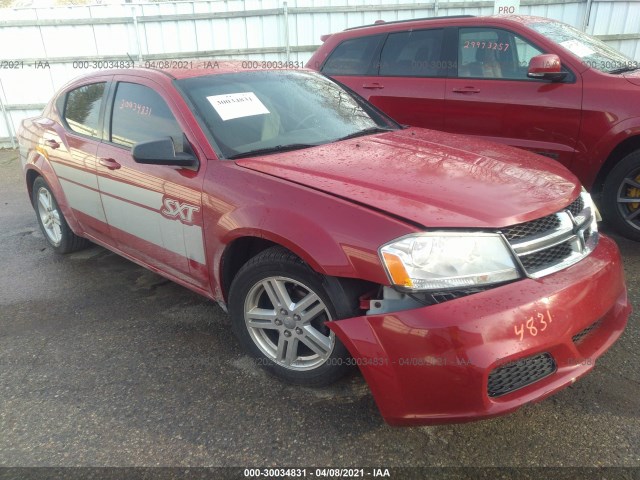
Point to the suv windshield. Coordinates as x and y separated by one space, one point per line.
260 112
593 52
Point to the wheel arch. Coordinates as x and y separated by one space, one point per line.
30 178
242 249
235 255
621 150
42 168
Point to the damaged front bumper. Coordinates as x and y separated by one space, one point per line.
488 353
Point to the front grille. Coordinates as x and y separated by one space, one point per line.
576 207
578 337
515 375
554 242
529 229
546 258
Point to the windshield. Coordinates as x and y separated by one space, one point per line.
261 112
593 52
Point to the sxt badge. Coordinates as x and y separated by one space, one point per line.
173 208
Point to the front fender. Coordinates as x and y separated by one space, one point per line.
334 236
605 146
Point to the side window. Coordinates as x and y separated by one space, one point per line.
493 53
352 57
82 109
412 54
140 114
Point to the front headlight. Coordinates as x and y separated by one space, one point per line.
441 260
588 202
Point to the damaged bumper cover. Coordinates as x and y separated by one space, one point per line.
489 353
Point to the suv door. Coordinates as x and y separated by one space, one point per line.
71 149
354 64
493 98
411 78
401 73
154 211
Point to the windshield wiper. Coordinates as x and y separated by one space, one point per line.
276 149
618 71
366 131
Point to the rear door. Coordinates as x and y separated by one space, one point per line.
71 149
491 97
154 211
411 78
402 73
354 63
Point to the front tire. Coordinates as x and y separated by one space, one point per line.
621 196
278 308
52 222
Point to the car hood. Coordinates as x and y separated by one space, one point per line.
430 178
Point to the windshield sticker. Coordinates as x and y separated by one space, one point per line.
237 105
577 48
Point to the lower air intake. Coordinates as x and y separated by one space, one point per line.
578 337
515 375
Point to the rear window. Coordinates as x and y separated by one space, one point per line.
352 57
82 109
412 54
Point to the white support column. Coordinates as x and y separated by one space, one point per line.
7 121
285 9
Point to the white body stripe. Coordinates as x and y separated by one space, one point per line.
83 199
142 196
185 240
149 225
75 175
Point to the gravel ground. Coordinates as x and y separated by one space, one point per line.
103 363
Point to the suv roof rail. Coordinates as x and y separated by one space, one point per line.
382 22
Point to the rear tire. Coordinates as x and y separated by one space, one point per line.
278 307
619 194
52 222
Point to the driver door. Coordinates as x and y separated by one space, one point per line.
154 212
492 97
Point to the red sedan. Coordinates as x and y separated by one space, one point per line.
463 278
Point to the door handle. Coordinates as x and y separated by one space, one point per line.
466 90
373 86
110 163
52 143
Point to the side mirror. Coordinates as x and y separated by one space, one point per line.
161 152
546 67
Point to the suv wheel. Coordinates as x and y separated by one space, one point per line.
621 196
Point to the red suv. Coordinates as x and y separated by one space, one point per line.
463 280
529 82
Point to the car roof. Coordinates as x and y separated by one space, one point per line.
168 69
458 20
201 68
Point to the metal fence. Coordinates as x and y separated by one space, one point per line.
43 48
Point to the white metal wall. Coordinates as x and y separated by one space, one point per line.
222 29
